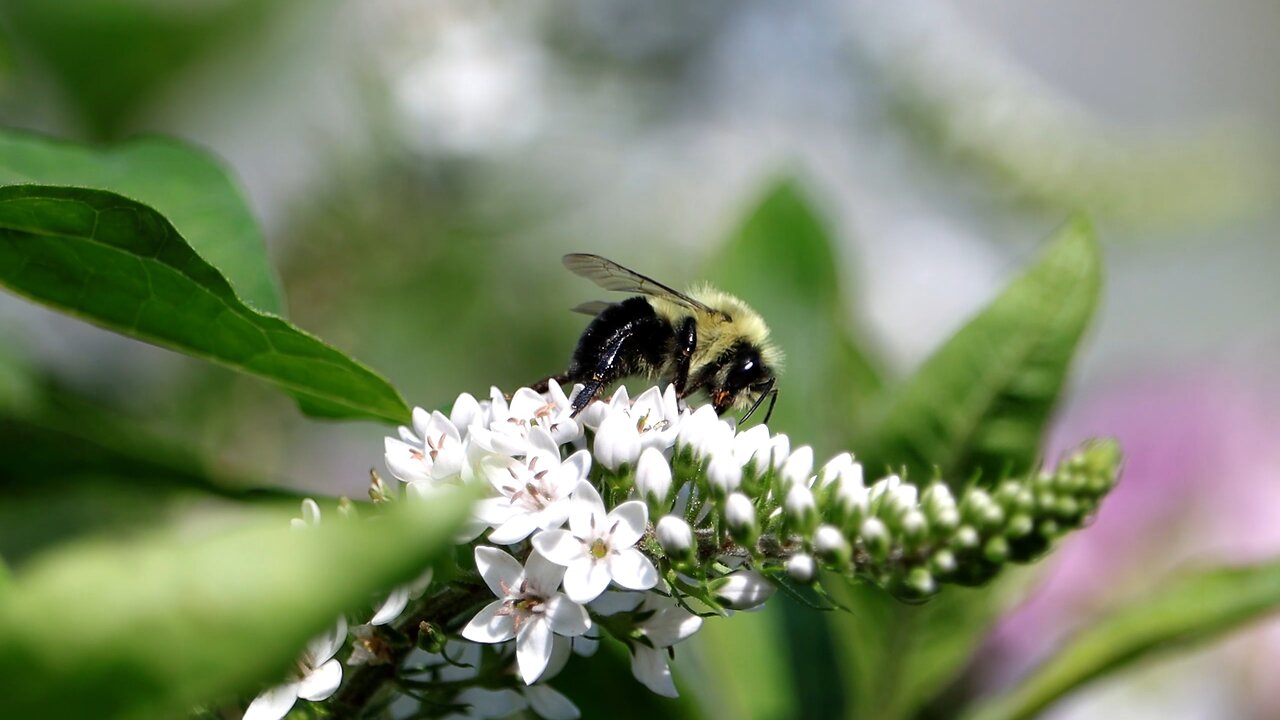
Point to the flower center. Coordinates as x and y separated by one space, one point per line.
599 548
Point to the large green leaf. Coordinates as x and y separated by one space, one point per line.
154 626
119 264
783 262
185 185
1196 609
980 403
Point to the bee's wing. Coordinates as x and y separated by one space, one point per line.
612 276
593 308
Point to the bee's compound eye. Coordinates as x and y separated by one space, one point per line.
746 370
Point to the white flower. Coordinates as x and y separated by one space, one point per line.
653 476
318 676
830 543
748 442
675 536
800 507
832 469
431 454
664 624
534 492
529 608
617 441
598 548
743 590
657 417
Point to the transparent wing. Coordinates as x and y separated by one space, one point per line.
612 276
593 308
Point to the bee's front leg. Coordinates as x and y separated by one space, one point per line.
686 343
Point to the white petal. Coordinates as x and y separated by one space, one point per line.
465 410
584 581
405 461
486 703
614 602
498 570
327 645
310 512
392 606
490 626
542 574
321 682
580 464
560 547
561 651
650 667
620 401
552 516
632 570
514 530
586 514
588 642
274 703
567 617
533 649
671 625
493 511
421 419
550 704
627 521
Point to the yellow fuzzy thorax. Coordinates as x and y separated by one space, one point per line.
716 334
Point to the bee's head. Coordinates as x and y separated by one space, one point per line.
743 381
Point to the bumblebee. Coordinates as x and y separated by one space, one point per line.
704 340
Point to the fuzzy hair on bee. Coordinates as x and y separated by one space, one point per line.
703 340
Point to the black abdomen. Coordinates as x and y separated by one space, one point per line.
626 338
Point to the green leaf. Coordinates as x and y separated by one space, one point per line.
120 265
152 627
743 665
1193 610
782 262
187 186
980 403
896 657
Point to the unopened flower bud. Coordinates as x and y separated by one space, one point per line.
798 466
830 472
801 567
802 511
831 545
779 450
742 590
676 537
996 549
914 525
876 537
724 473
617 441
740 515
920 582
653 477
944 562
966 538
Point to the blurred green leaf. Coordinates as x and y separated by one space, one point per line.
782 261
896 657
152 627
119 264
187 186
70 468
980 403
743 662
1195 609
108 57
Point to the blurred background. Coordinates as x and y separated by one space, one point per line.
418 168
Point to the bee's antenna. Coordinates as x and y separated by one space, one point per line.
769 390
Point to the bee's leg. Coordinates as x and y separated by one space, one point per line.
686 342
607 369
